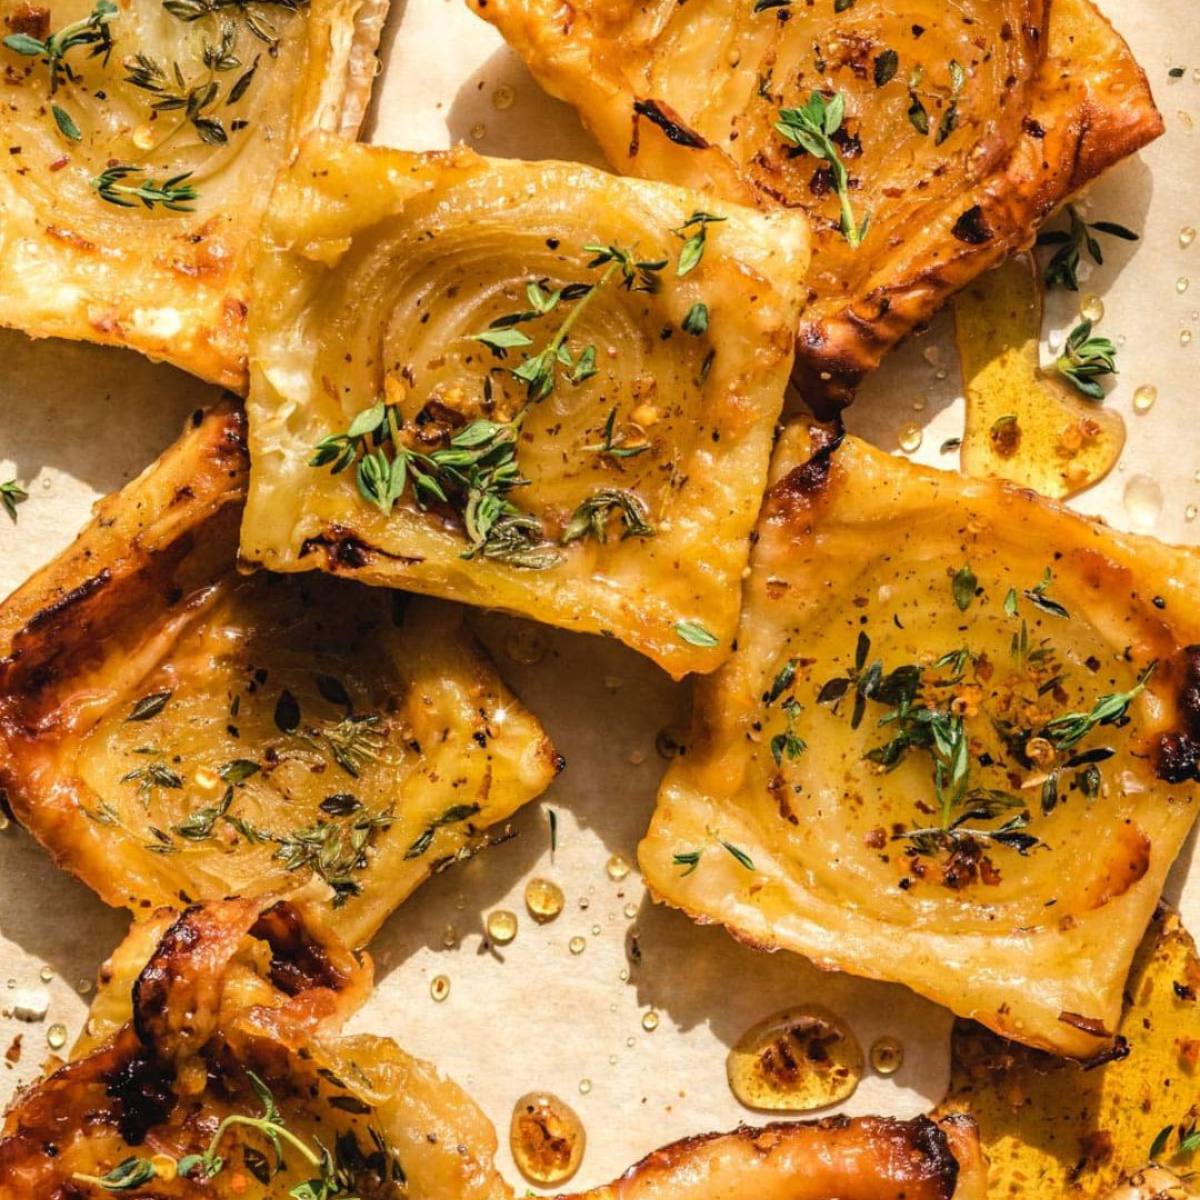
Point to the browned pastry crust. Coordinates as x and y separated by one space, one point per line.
918 753
869 1158
194 1010
170 283
292 726
1050 98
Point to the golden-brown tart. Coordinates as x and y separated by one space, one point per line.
964 126
956 746
531 386
140 140
868 1158
172 731
213 1066
1051 1127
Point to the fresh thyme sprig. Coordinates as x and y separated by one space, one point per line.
92 30
539 372
1085 359
175 193
474 473
592 516
1063 268
247 10
812 128
12 494
1069 729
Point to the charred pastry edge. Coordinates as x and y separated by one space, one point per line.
175 1002
210 465
920 1144
1117 118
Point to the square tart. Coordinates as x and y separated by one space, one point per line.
187 96
958 627
378 267
172 731
955 169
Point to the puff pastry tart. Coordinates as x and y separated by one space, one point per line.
926 141
172 731
140 139
532 386
868 1158
956 746
213 1066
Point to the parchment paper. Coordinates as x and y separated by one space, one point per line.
77 421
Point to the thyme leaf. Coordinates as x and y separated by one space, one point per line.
1085 359
812 128
1063 268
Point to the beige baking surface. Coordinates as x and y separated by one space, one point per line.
75 422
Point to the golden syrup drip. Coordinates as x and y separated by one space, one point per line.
910 437
650 1021
1092 309
577 945
544 900
547 1139
887 1055
502 926
795 1061
1144 398
618 868
56 1036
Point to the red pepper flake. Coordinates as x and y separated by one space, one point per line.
59 163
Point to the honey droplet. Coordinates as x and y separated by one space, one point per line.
83 986
439 987
502 926
46 974
478 131
887 1055
1143 501
503 97
547 1139
544 900
1092 309
577 945
525 646
584 904
1144 398
650 1020
630 911
1182 284
1185 337
1189 513
595 931
909 437
585 1086
449 937
919 404
56 1036
1187 235
618 868
795 1061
